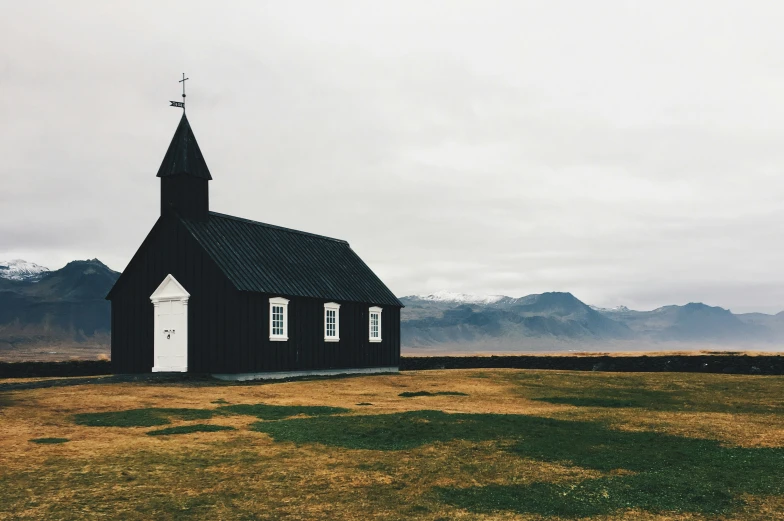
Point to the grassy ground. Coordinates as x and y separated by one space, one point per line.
433 445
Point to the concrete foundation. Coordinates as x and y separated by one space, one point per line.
278 375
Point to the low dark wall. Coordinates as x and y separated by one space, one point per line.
70 368
731 364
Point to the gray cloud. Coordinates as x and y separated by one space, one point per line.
628 153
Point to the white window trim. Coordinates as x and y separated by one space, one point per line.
279 301
374 309
336 307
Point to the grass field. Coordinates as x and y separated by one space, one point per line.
432 445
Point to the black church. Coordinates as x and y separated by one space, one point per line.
239 299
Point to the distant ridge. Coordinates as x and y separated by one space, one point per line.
559 321
447 296
56 308
616 309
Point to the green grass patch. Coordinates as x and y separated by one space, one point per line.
220 401
264 411
654 400
149 417
364 403
612 402
47 441
187 429
680 393
397 431
670 473
412 394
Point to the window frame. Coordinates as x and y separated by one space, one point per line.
374 310
284 303
332 306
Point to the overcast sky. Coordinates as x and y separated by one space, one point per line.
629 152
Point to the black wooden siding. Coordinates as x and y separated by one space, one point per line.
228 328
189 196
170 249
306 348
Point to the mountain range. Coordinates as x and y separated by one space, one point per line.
65 309
559 321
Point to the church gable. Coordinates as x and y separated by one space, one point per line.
167 247
169 289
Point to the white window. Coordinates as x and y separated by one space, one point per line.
331 322
375 324
279 319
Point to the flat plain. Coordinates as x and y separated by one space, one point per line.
431 445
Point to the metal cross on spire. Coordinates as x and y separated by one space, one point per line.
180 104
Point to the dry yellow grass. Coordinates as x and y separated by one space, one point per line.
121 473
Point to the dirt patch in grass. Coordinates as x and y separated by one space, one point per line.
414 394
52 441
188 429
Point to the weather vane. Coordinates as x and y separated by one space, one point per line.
181 104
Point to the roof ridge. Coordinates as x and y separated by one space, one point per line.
281 228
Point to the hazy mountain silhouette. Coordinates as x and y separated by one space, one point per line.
561 321
66 305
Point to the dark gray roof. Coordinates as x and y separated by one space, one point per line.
184 155
269 259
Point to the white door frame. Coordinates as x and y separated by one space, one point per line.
170 290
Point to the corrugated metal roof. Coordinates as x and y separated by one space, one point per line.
184 155
269 259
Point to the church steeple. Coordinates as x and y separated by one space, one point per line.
184 176
184 155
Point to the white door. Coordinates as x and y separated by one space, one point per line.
170 306
171 347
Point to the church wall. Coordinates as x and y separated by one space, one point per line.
306 348
211 308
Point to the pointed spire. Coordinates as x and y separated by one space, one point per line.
184 155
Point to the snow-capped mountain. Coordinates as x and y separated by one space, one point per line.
19 269
462 298
66 307
616 309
